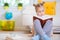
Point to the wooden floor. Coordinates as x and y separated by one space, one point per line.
24 36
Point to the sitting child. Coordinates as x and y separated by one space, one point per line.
41 33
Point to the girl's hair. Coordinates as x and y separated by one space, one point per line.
38 5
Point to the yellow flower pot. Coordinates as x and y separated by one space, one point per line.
8 25
0 25
19 8
6 7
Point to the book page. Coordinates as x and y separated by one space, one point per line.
44 17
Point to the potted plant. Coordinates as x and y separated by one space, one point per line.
8 25
6 6
20 6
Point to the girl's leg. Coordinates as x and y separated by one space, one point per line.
36 36
39 30
48 27
38 27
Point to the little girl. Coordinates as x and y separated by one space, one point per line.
41 33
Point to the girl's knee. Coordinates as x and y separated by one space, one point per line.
37 21
49 21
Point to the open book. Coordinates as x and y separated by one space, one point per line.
45 17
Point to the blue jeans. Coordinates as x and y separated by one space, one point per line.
46 30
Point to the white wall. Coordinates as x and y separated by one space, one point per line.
56 21
27 16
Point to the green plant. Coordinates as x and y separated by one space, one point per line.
20 4
6 4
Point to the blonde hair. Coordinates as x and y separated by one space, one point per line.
38 5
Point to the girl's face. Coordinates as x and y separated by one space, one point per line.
40 11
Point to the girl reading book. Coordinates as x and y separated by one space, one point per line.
42 33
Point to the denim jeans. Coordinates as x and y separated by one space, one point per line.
46 30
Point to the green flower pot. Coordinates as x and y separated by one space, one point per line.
6 6
20 6
8 25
